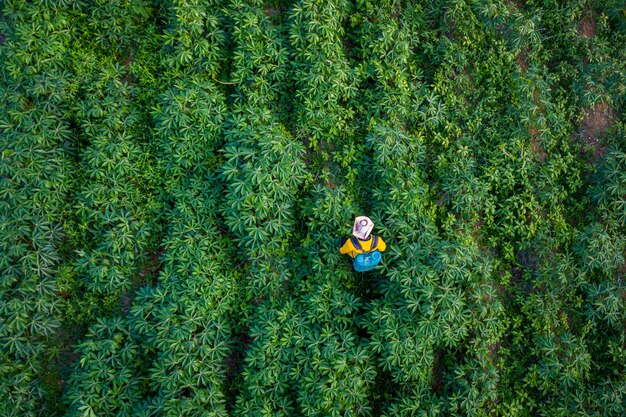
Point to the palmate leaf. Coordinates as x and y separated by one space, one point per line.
458 188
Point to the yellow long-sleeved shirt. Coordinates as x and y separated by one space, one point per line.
348 248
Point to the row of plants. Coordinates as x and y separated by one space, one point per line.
481 184
324 83
564 363
437 320
264 171
304 354
332 358
176 177
36 177
169 354
111 224
263 164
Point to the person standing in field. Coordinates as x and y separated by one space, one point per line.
364 248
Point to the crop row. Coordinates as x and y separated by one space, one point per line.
507 175
177 184
440 298
304 353
263 163
263 170
168 356
114 206
35 180
334 366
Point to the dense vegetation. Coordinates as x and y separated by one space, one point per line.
176 175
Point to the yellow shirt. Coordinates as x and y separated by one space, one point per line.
348 247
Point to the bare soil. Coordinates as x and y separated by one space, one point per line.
493 352
152 266
478 223
272 11
437 377
126 303
587 25
517 3
397 12
521 61
596 121
535 144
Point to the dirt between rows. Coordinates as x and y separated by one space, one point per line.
2 36
521 60
587 25
596 121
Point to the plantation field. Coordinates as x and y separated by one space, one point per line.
176 175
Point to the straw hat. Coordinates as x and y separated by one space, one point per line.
363 226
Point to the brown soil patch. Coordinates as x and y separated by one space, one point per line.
493 352
126 303
535 144
437 377
478 223
596 121
517 3
272 11
521 61
397 12
127 62
152 266
500 290
587 26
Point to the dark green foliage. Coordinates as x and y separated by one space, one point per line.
188 118
35 179
113 206
175 177
167 357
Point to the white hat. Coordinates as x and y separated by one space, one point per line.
363 226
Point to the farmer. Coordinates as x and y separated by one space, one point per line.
364 243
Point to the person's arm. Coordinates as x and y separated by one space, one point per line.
381 244
343 245
346 247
